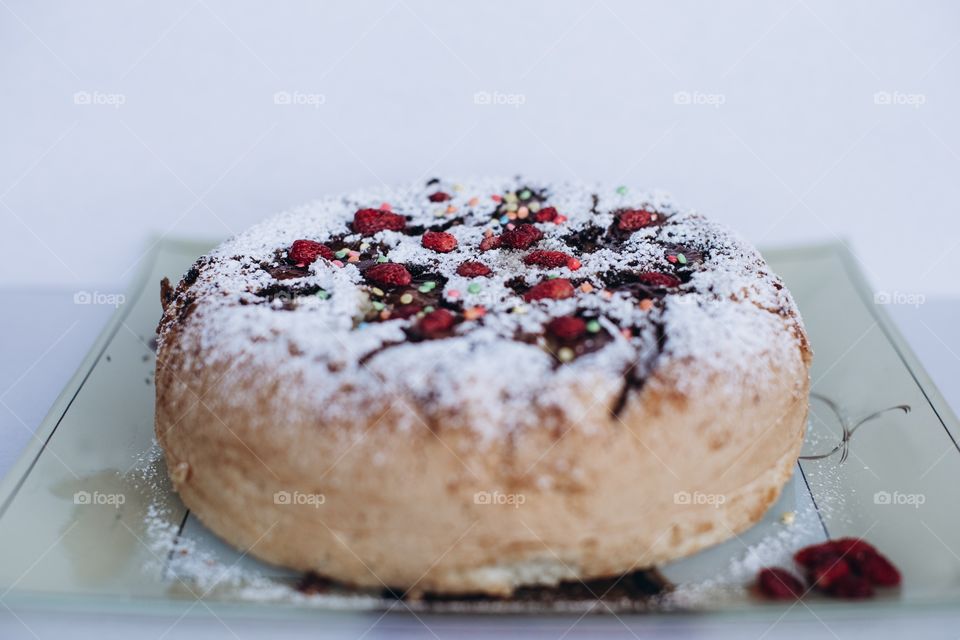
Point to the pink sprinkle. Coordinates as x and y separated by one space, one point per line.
338 263
511 226
496 198
385 206
453 293
671 258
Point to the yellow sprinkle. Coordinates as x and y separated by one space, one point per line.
534 206
376 291
512 206
458 187
510 197
519 309
406 298
565 354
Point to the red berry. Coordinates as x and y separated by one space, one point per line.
473 269
549 259
439 241
852 587
779 584
439 196
521 237
405 310
567 328
490 242
825 575
633 219
436 322
304 252
654 279
369 221
547 214
389 274
816 555
556 289
879 571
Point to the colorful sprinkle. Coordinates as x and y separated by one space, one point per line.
519 310
565 354
682 259
626 333
377 291
323 295
593 326
337 263
510 197
378 305
451 209
406 298
342 253
496 198
474 312
381 259
523 212
475 288
472 202
607 294
671 259
453 294
560 219
427 286
385 206
622 190
534 206
586 287
646 304
512 206
525 194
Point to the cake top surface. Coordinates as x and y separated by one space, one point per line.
487 295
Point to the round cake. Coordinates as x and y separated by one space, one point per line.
467 387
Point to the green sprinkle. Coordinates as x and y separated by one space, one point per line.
406 298
552 276
381 259
427 286
475 288
682 259
342 253
525 194
323 295
622 190
428 309
593 326
378 305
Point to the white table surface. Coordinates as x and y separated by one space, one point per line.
45 336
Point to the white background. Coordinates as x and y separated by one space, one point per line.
782 139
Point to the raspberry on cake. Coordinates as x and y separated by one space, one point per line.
598 351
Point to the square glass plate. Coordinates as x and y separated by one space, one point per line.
86 510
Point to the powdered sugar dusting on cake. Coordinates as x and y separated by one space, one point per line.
328 325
